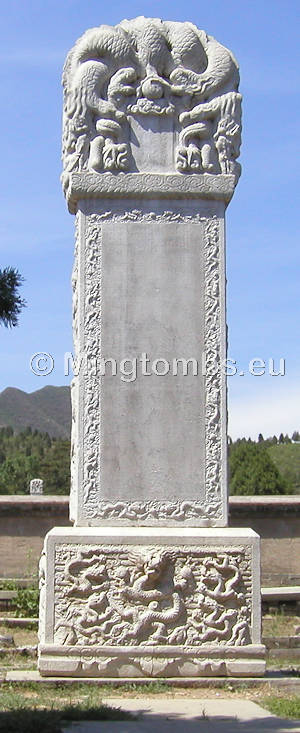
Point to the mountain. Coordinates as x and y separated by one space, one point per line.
47 410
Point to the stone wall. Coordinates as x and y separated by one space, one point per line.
24 521
276 520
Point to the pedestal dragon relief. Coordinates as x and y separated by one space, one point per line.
141 68
148 596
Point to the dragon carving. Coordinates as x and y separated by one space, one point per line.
150 67
151 596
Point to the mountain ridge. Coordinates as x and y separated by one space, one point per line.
47 409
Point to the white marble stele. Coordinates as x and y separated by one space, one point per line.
150 581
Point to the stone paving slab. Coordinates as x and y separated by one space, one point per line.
275 679
189 716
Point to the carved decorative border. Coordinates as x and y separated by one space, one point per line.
90 384
143 511
74 384
213 376
151 511
152 665
87 185
136 215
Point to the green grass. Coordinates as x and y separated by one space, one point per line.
286 457
284 707
31 708
26 603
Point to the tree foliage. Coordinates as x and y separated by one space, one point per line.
256 468
11 302
252 470
28 455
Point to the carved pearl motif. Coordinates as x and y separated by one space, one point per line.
152 88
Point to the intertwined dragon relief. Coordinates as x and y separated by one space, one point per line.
129 596
149 67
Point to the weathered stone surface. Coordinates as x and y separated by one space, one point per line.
152 96
150 186
150 282
151 138
136 602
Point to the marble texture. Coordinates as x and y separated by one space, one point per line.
150 281
150 582
150 95
150 602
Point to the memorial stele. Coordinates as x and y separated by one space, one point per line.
150 581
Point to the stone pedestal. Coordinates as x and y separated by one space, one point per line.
129 602
150 582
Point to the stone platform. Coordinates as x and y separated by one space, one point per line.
150 602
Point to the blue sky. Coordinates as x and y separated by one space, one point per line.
263 253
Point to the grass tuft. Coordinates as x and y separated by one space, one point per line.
284 707
30 708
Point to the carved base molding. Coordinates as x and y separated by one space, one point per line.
152 662
89 185
150 603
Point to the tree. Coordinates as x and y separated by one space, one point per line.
30 454
252 471
55 468
11 302
296 436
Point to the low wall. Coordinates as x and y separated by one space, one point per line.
24 521
276 520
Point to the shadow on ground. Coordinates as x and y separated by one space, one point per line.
24 720
148 722
132 716
106 720
152 723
